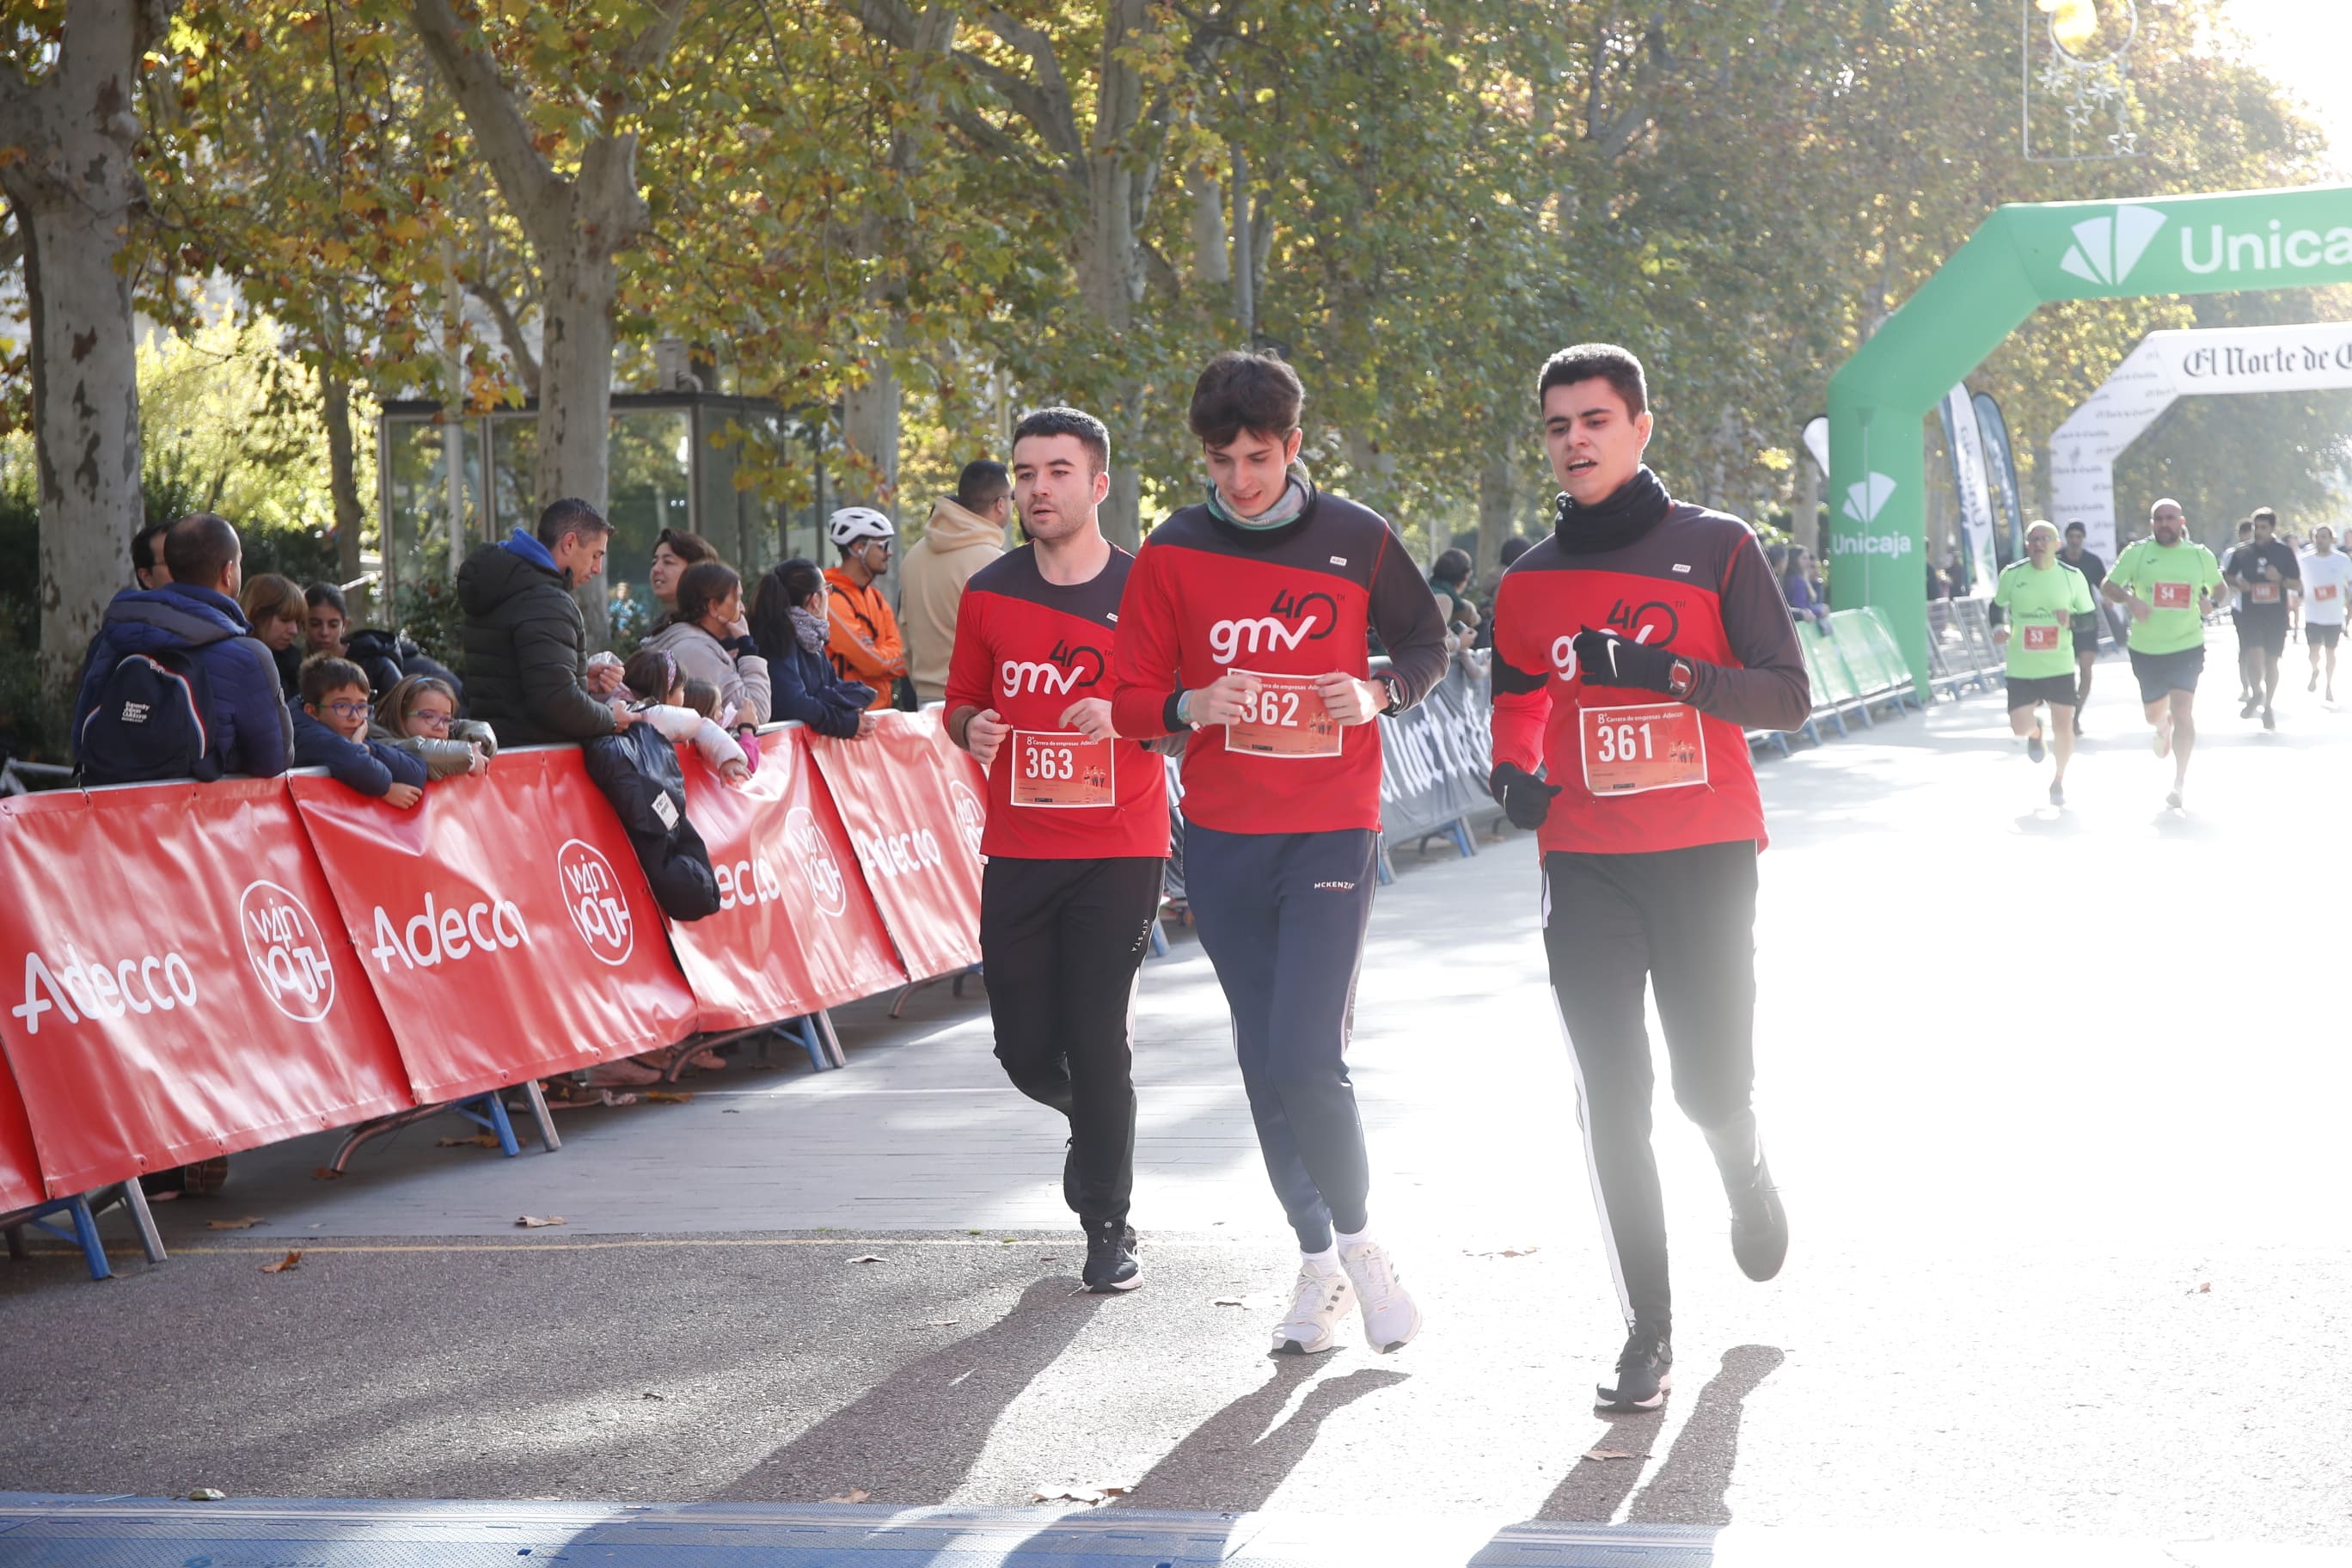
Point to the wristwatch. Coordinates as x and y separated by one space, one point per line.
1678 678
1395 689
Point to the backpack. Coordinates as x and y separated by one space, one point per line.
637 771
153 719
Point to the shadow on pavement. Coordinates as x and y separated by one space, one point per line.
1230 1462
1691 1486
915 1436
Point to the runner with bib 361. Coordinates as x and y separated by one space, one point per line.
1077 820
1632 648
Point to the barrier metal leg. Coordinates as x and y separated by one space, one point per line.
537 1098
1382 872
151 1241
803 1031
493 1117
1159 946
1459 831
832 1040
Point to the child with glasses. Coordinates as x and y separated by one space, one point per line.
419 715
331 732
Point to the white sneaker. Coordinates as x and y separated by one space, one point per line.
1391 1318
1319 1303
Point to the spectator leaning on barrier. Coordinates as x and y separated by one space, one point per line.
675 549
711 641
665 699
331 732
419 714
525 639
194 647
863 637
147 556
1797 587
275 608
964 534
789 623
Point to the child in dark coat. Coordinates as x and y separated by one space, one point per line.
331 732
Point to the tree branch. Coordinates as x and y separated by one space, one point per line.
494 117
510 333
1045 103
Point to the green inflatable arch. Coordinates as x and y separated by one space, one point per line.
2025 255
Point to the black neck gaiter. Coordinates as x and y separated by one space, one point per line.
1631 511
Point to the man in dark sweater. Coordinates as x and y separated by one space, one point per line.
526 640
1632 648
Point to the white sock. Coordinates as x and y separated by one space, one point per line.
1350 1241
1325 1263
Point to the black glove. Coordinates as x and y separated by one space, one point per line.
1525 798
1605 660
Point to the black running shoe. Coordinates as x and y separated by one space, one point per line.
1759 1226
1110 1260
1643 1371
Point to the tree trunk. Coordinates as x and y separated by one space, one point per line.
453 409
869 425
575 392
1210 262
1244 253
76 192
1498 509
343 486
1109 269
1805 516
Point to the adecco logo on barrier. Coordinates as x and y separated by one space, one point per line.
444 935
289 952
752 880
591 896
896 854
813 860
76 990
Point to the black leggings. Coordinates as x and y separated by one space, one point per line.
1062 941
1684 920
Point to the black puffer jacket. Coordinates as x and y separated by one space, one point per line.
526 645
390 657
638 773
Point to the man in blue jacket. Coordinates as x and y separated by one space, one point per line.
247 726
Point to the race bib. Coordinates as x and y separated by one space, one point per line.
1286 719
2324 591
2174 597
2265 593
1052 768
1631 751
2041 639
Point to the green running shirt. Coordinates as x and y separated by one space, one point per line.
2042 604
2167 579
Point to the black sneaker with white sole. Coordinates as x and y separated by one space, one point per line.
1110 1259
1644 1370
1759 1225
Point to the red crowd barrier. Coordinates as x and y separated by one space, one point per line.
185 992
209 968
917 829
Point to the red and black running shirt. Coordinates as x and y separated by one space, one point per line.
1028 648
1696 584
1206 597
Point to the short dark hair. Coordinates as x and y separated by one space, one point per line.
650 673
200 549
2265 514
571 515
1519 545
703 585
267 596
690 548
2074 525
1451 566
1241 391
1091 432
1607 362
318 594
984 483
324 672
147 546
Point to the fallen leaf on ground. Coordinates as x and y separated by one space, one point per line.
1093 1497
1252 1303
1609 1454
730 1113
326 1174
291 1260
651 1395
2204 1290
207 1494
668 1096
532 1222
478 1141
855 1494
247 1223
1508 1252
943 1322
868 1257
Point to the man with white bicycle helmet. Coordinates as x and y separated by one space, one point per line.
863 639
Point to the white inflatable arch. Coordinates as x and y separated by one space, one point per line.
2165 368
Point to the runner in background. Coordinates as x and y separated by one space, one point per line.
2325 573
1632 648
2262 570
1245 622
2167 582
2246 693
2087 628
1077 820
2046 598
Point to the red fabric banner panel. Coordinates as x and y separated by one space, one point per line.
797 930
186 989
20 1162
504 922
917 833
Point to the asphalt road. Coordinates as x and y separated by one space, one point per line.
2054 1096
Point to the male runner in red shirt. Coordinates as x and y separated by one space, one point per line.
1245 622
1632 648
1077 819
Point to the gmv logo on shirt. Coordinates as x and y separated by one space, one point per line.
1070 668
1309 617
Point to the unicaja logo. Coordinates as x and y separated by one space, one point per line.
1866 499
2105 250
